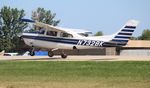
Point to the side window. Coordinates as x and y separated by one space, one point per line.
63 34
51 33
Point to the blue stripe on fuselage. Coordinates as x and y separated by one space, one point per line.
52 39
111 44
65 41
115 40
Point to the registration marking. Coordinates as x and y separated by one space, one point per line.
90 43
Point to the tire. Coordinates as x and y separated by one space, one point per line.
32 53
63 56
50 54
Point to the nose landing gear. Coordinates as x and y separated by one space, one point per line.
31 52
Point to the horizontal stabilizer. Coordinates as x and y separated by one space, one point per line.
28 20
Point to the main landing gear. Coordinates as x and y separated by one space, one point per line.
51 53
63 55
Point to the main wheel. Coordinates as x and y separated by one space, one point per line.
63 55
50 54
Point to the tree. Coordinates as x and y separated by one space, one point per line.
99 33
10 26
145 35
5 44
134 38
45 16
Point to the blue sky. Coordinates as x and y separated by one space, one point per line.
107 16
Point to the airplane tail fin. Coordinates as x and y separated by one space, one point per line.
122 37
2 53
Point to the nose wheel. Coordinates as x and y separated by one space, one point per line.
32 53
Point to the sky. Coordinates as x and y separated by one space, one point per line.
107 16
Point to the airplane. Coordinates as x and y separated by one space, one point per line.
2 53
55 38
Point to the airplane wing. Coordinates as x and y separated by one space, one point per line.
49 27
43 25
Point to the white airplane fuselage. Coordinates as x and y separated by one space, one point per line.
52 42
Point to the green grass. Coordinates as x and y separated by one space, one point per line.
39 74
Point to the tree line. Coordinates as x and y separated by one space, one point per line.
11 26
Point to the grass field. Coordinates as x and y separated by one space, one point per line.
39 74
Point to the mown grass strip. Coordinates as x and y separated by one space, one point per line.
102 74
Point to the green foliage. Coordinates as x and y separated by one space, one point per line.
10 26
145 35
99 33
45 16
6 44
134 38
11 23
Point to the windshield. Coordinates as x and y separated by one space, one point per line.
35 31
